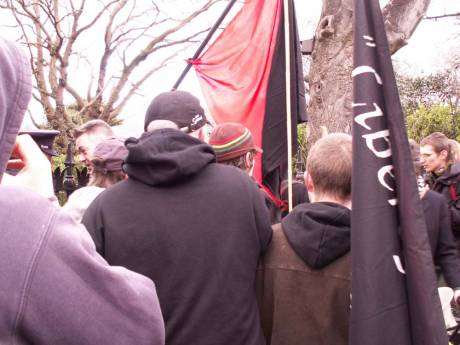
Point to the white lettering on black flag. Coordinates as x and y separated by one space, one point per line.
394 290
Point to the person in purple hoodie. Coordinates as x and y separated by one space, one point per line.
55 288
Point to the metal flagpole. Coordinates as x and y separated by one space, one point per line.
287 47
203 44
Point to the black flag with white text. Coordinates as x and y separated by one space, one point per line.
394 293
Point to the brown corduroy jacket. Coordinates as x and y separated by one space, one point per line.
298 304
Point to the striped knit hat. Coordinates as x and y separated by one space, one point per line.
230 140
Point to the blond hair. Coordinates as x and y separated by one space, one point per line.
329 164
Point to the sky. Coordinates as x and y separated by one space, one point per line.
431 43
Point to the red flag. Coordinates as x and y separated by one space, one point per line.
242 78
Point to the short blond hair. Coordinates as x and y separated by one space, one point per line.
329 165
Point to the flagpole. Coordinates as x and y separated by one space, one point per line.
287 47
203 44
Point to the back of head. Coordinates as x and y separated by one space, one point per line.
15 93
231 140
439 142
329 163
91 127
455 150
107 162
415 153
179 107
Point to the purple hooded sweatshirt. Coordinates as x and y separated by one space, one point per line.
54 287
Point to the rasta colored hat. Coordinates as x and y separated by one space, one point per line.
230 140
44 139
112 152
180 107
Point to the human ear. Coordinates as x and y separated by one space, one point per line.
309 182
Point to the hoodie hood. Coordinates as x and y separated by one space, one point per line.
166 156
318 232
453 170
15 93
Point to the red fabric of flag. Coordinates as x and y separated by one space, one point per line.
242 79
235 70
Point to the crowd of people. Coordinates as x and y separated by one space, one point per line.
174 242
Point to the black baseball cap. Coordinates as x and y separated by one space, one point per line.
180 107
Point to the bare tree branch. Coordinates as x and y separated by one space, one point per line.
444 16
148 49
51 30
401 19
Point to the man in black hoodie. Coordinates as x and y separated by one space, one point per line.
304 277
195 227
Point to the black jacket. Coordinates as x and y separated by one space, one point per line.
442 243
196 228
442 184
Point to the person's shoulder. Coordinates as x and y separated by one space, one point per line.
455 169
85 193
230 175
279 253
20 199
434 199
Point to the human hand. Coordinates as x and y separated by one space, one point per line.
422 191
34 168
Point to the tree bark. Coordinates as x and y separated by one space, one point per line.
332 59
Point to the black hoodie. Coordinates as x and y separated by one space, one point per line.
196 228
318 232
442 184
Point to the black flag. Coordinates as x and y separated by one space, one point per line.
394 294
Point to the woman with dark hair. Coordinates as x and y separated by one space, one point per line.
106 170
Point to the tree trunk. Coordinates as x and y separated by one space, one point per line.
332 59
330 71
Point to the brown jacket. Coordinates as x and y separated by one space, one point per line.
298 304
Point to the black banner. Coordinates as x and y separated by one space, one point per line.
394 293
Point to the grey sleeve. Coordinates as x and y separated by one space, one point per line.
73 296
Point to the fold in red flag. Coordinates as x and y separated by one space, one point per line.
242 79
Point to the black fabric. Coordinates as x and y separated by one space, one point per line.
180 107
166 156
274 128
299 194
196 228
318 232
392 303
442 184
273 209
442 242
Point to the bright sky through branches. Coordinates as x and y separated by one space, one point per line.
432 42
